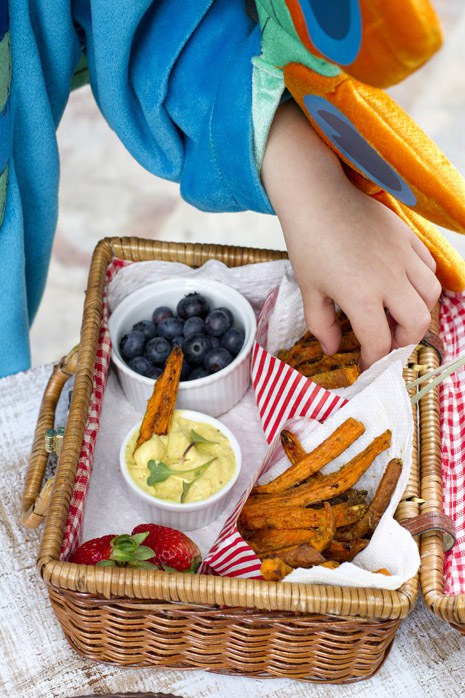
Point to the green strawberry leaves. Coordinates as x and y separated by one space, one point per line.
128 551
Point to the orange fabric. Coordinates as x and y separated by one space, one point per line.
397 39
450 268
436 184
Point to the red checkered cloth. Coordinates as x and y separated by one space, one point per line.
81 483
452 403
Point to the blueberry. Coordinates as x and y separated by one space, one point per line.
140 364
233 341
157 350
179 340
217 322
170 327
196 348
155 372
186 370
147 328
132 344
198 372
161 313
216 341
216 359
228 313
191 305
193 325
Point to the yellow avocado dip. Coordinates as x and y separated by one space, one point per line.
192 462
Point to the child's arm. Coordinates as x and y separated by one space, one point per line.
345 247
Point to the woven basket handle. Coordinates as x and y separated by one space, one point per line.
35 501
432 521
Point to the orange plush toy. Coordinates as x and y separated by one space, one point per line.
325 50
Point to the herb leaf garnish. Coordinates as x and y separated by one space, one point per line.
160 472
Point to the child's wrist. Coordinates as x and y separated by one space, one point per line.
298 167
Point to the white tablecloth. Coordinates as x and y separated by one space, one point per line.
36 661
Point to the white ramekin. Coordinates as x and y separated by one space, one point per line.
185 517
213 394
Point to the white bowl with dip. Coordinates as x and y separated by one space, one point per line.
188 515
214 394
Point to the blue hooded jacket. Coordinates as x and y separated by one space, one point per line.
173 78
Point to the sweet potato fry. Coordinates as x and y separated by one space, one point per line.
324 453
270 539
367 524
350 497
300 556
330 564
301 354
333 484
330 363
267 540
345 551
160 407
254 517
274 570
339 378
292 447
349 342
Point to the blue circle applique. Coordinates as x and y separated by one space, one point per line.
343 134
335 28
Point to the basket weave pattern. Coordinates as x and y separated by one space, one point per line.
449 608
249 627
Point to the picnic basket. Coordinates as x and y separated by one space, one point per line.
450 608
235 626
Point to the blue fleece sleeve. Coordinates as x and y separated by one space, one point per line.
173 78
174 81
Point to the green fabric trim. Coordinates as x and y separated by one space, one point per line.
280 42
267 91
5 69
80 76
3 183
280 46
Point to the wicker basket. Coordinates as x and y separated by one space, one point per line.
234 626
449 608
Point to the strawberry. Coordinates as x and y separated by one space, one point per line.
94 551
115 551
173 549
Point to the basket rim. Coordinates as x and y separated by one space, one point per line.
450 608
108 582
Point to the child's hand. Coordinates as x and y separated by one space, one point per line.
345 247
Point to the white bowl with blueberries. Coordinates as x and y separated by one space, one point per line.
214 325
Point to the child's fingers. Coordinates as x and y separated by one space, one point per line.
425 283
412 316
320 316
422 251
372 330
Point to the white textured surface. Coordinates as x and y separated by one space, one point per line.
37 662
